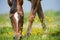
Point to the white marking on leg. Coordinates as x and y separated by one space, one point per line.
16 16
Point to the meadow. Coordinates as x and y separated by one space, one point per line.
52 21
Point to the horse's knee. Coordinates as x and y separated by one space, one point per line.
13 10
11 15
31 18
21 14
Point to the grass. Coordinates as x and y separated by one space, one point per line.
6 33
52 20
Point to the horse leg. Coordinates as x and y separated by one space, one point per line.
12 15
20 23
31 19
13 19
41 16
32 16
10 3
21 17
15 26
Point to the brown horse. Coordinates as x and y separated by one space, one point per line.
35 7
16 16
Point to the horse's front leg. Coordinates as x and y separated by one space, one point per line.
21 17
20 23
14 24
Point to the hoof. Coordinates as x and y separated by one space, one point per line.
27 35
15 38
20 38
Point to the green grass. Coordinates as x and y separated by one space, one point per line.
4 35
53 27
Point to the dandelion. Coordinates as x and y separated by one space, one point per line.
10 33
33 33
36 19
49 19
23 33
41 31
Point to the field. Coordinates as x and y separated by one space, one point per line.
52 20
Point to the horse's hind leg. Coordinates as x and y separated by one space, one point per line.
41 16
31 19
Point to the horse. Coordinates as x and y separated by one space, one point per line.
35 8
16 16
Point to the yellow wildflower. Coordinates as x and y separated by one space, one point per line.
10 33
50 20
23 33
36 19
